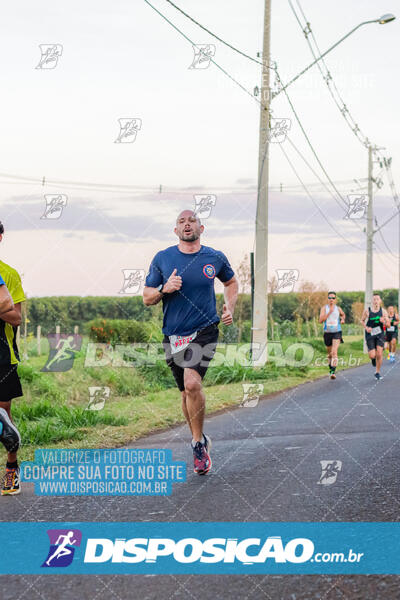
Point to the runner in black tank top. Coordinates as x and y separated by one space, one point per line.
392 333
373 320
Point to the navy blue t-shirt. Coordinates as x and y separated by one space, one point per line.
193 307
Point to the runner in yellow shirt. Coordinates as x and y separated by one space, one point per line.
10 385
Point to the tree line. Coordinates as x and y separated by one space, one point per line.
300 307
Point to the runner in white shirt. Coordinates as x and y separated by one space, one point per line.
332 316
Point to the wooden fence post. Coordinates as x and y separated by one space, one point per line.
38 339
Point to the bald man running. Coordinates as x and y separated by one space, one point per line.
182 277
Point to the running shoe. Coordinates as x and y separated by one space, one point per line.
333 375
11 485
201 456
9 434
378 376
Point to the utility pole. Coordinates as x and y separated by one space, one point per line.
260 316
370 235
398 208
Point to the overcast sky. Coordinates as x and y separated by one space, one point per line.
198 134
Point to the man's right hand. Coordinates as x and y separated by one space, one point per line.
173 284
368 329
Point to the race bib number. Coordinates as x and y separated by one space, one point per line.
376 331
180 342
391 328
332 324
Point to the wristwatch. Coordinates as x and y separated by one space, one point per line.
159 289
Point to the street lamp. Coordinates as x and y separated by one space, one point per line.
382 21
386 19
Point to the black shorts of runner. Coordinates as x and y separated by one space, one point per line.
391 335
197 355
329 336
10 385
373 341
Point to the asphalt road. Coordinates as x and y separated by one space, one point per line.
266 468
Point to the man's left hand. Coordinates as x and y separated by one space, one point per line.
226 316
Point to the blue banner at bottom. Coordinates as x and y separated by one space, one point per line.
196 548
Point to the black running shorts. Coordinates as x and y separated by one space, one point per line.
197 355
329 336
373 341
10 385
391 335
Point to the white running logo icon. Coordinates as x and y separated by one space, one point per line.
62 549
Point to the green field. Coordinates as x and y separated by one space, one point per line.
53 412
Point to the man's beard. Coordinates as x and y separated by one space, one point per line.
193 237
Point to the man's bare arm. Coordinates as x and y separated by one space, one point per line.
6 303
385 318
323 315
151 296
13 316
231 289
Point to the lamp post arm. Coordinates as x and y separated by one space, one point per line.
322 56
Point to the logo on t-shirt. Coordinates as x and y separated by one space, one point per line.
209 271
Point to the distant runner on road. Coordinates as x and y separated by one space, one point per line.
373 321
333 317
392 333
182 277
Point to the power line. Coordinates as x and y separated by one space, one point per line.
335 94
316 203
210 57
387 247
154 189
214 35
333 90
288 99
286 94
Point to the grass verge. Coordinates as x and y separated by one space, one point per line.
53 412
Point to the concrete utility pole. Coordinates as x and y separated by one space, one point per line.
370 235
398 208
260 316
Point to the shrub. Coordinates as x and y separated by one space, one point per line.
120 331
